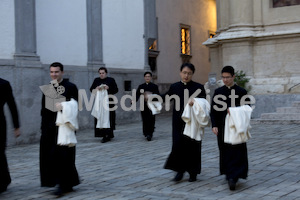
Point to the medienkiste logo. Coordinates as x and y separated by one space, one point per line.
53 95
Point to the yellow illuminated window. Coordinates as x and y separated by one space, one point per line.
185 41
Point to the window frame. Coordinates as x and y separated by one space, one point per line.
188 28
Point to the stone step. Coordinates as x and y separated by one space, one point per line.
274 121
296 104
288 110
282 116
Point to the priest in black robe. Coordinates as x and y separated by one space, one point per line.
6 97
111 86
148 118
233 158
186 152
57 163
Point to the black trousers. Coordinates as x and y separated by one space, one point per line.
4 172
66 172
233 158
106 132
148 121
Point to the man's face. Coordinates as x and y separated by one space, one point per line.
186 75
56 73
102 74
148 78
228 79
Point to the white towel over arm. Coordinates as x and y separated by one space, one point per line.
67 123
196 118
154 106
237 125
101 109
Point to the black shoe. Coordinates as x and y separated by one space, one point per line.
58 192
178 177
3 189
67 190
231 184
61 191
149 137
193 178
105 139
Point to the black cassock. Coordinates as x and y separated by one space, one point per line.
233 158
147 117
57 163
6 97
113 89
186 152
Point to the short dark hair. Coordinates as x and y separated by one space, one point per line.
228 69
147 73
103 68
189 65
57 64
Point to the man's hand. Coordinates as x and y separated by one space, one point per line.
106 87
102 87
17 132
191 102
58 106
215 130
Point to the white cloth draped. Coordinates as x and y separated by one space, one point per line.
237 125
196 118
154 106
67 123
101 109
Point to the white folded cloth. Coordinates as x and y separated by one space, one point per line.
154 106
101 109
237 125
196 118
67 123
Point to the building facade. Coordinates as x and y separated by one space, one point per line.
128 37
261 38
182 28
83 35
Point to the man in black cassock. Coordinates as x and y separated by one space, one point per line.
112 88
57 163
6 97
186 152
233 158
147 117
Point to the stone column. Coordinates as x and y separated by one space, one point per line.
27 72
94 34
25 25
222 15
150 27
240 13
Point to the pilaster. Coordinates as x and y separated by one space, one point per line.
25 24
94 33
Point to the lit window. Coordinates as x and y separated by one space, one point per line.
211 34
185 40
153 45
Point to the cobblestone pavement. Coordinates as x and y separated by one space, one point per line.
130 167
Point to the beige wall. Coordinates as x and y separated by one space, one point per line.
264 43
201 16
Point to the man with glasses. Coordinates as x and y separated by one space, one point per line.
233 158
185 155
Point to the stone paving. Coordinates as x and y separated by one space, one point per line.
130 167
